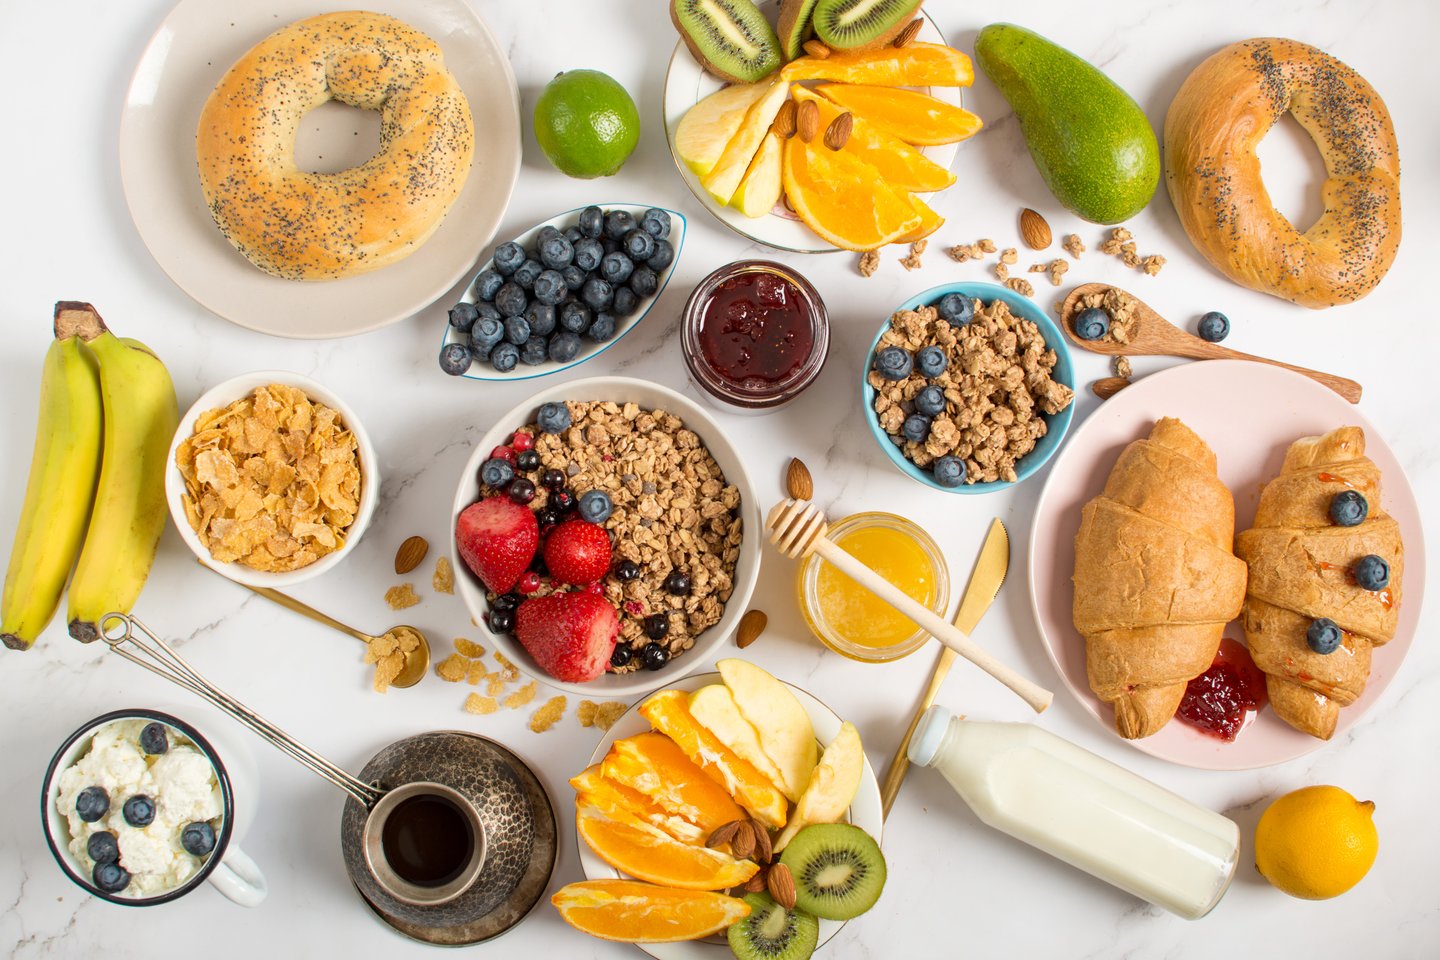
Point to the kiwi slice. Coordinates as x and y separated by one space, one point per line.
838 868
793 27
858 24
773 933
731 38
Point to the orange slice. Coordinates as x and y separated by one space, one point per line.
843 199
634 912
916 65
916 118
649 853
930 221
668 711
620 802
899 164
651 764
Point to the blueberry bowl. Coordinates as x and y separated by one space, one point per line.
491 294
1056 424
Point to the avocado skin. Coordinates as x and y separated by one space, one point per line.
1089 138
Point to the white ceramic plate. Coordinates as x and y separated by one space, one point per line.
482 370
865 813
1248 413
192 49
687 83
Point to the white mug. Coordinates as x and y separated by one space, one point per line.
227 868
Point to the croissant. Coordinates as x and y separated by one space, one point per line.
1301 566
1155 581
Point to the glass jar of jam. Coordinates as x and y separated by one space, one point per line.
755 334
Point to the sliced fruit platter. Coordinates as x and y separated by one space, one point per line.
803 126
719 783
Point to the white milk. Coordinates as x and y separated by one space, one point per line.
1084 809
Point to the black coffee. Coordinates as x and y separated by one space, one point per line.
427 840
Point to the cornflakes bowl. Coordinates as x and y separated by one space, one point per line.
225 395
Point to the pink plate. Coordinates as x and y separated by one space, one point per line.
1249 413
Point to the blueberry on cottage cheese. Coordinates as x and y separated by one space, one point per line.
1092 323
949 471
595 506
455 358
602 328
893 363
1214 327
592 222
153 739
1371 572
644 282
663 256
487 283
916 427
574 316
496 472
508 257
102 847
956 309
930 402
139 810
931 361
463 316
92 803
564 346
553 418
198 838
1348 508
504 357
110 877
656 222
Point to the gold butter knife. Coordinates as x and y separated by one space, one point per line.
985 581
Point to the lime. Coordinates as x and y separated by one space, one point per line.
586 124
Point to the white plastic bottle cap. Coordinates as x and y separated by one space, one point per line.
928 736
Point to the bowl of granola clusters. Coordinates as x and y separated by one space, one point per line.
968 388
606 534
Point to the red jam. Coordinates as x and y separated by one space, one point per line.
1219 701
755 330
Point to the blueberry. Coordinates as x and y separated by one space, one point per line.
496 472
455 358
639 245
663 256
139 810
198 838
616 267
655 656
956 309
508 257
574 278
506 601
1214 327
592 222
534 351
677 584
553 418
644 282
92 803
597 294
916 427
557 252
893 363
603 327
485 334
463 316
487 284
1324 636
618 223
550 287
1348 508
154 739
1092 323
564 346
574 316
527 460
627 570
620 656
1372 572
517 330
522 490
504 357
541 317
931 361
949 471
502 621
656 625
110 877
485 310
563 500
573 234
553 479
930 402
655 222
588 254
546 233
595 506
527 272
626 303
103 847
609 245
510 301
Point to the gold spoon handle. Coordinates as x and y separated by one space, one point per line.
305 610
901 764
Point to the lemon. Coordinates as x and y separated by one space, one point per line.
586 124
1316 843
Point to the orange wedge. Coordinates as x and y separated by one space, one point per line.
915 65
899 164
842 198
634 912
916 118
652 765
620 802
649 853
930 221
668 711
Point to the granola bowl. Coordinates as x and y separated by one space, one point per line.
1062 385
654 520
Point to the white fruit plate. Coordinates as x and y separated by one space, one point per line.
687 83
865 811
482 370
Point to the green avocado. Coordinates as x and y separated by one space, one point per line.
1090 139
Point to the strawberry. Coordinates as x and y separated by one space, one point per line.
570 635
497 540
577 552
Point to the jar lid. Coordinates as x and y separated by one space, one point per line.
925 744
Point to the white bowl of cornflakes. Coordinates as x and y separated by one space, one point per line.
272 479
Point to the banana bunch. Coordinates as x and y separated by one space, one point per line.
95 501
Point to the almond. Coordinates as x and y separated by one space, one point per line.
751 626
839 130
781 884
742 844
1034 230
763 850
411 552
816 49
755 884
723 834
784 123
797 480
907 36
807 120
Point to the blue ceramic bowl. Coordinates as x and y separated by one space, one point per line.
1056 424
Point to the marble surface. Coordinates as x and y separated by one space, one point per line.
954 884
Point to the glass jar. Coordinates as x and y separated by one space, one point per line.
754 335
834 605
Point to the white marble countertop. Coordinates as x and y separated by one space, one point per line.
955 886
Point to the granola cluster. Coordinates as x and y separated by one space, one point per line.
1121 243
1122 310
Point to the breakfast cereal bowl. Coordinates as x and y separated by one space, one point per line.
646 397
237 388
1056 424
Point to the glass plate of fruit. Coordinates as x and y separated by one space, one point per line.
782 154
726 781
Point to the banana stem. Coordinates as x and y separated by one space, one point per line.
74 318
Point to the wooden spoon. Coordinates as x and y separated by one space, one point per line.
1155 336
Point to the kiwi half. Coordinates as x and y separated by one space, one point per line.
859 24
793 26
838 868
771 932
730 38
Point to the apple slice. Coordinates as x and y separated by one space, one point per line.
722 181
832 786
708 126
780 720
714 709
759 191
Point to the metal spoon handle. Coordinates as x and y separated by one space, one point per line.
305 610
161 659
